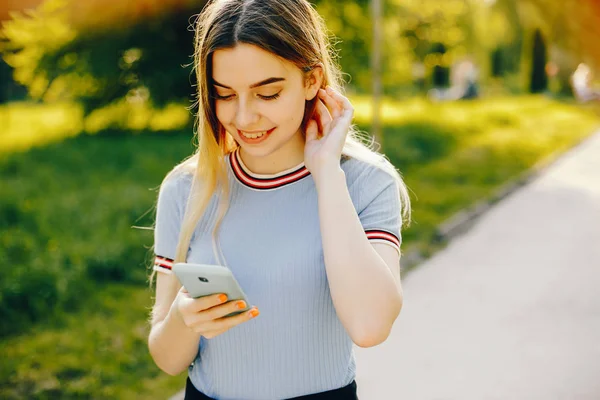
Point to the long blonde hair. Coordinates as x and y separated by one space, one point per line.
290 29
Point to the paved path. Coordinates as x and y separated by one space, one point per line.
511 309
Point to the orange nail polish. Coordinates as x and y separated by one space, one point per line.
241 305
254 312
222 298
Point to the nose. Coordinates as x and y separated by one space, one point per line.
246 116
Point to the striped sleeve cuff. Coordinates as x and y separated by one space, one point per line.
163 264
380 236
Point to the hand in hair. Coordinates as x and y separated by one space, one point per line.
326 132
208 315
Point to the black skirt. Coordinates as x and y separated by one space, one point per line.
345 393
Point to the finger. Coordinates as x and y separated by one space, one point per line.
212 334
325 117
312 130
347 113
340 99
343 123
341 126
200 319
226 323
219 311
332 105
207 302
184 291
229 322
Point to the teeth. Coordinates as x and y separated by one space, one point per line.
254 135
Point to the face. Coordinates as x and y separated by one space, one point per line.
260 99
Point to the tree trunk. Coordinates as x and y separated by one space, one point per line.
376 71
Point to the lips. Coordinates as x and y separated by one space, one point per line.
256 140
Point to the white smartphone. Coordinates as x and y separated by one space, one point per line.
204 280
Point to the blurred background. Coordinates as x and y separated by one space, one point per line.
95 107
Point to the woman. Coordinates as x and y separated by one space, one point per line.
283 193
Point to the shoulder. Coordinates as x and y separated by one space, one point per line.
177 179
368 181
175 186
360 173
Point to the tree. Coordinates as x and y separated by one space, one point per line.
571 31
441 33
539 79
57 56
506 58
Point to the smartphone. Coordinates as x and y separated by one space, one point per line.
204 280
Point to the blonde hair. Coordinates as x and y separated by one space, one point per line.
290 29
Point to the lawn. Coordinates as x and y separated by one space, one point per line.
74 301
98 352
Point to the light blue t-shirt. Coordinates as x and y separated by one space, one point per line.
271 240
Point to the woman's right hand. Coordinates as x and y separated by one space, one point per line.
207 315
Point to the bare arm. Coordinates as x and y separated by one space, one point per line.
364 278
172 345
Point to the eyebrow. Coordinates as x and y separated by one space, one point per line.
254 85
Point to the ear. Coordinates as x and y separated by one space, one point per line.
314 82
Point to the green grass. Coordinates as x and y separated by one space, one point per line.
74 301
67 213
26 125
99 352
454 154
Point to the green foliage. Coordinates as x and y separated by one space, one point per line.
30 38
539 79
67 214
148 61
414 31
419 142
24 125
348 22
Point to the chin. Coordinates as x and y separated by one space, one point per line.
260 150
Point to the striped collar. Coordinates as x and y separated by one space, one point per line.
265 182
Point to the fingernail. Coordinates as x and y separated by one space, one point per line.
254 312
241 305
222 298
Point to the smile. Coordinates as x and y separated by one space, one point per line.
255 137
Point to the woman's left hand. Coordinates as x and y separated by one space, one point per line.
326 137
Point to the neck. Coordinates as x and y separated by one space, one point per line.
287 156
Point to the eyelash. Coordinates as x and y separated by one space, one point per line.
267 98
